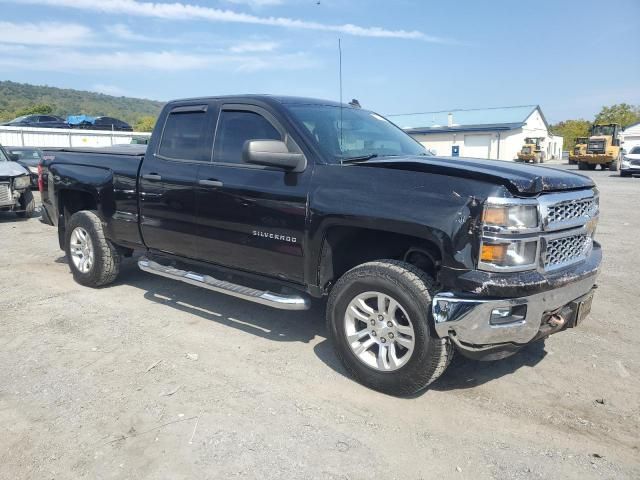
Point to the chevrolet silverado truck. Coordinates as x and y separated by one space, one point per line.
280 200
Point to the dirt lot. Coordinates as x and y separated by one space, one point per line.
150 378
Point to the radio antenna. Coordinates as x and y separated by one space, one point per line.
340 73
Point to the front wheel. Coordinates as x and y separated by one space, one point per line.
378 318
27 204
94 260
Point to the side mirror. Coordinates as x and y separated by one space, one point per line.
273 153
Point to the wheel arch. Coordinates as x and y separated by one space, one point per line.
344 247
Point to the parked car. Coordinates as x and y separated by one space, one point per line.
38 121
277 200
29 158
106 123
630 164
15 194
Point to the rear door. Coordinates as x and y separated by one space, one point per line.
251 217
168 177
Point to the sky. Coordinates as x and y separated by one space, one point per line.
399 56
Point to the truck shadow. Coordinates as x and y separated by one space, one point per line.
463 373
262 321
305 326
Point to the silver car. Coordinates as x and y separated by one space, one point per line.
15 191
630 164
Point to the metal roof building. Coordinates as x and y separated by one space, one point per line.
496 133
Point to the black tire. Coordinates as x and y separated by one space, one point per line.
412 288
591 166
106 262
27 204
582 166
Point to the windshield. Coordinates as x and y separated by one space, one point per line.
635 151
599 130
30 157
363 133
20 119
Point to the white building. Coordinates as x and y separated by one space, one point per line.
496 133
630 137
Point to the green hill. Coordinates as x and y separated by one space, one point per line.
17 98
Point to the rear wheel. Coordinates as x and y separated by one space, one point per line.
94 260
378 318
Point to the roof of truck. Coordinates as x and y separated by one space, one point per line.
283 99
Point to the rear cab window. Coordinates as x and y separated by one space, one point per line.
187 134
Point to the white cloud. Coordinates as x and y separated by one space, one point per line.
247 47
185 11
257 3
122 32
43 59
44 33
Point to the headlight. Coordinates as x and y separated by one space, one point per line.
33 170
511 254
504 220
625 162
511 217
21 182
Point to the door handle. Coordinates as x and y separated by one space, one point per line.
154 177
210 183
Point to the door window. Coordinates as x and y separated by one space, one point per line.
235 127
186 136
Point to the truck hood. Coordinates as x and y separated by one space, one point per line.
519 178
12 169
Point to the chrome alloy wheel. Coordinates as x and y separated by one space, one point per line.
379 331
81 249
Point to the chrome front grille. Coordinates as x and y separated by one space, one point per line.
569 220
572 209
564 251
568 210
6 198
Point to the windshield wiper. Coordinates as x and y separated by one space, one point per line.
362 158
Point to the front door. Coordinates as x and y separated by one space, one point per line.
251 217
168 179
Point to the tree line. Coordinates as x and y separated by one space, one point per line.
621 113
18 99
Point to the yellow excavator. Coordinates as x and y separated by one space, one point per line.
580 148
532 150
603 148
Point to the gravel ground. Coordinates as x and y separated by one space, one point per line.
150 378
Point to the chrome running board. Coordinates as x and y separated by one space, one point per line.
263 297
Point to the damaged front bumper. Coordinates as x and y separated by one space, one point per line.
482 324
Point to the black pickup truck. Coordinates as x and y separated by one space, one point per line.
280 200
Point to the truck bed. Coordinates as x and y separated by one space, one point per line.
113 172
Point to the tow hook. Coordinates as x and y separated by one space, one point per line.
556 321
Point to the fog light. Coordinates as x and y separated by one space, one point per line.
504 315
